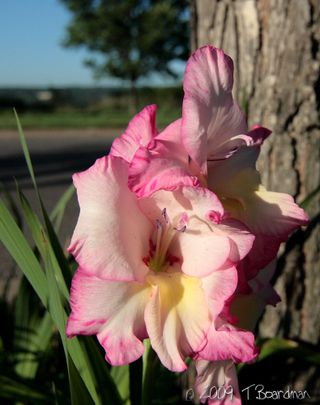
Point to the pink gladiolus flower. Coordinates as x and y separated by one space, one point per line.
176 234
219 153
160 267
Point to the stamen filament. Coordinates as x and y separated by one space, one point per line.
166 240
165 234
159 234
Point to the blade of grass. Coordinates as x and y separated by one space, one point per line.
287 347
49 228
59 209
26 152
32 331
12 205
39 237
87 362
108 388
76 351
150 373
120 376
16 244
57 311
64 268
78 390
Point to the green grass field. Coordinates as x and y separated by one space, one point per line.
80 119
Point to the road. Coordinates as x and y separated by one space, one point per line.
56 155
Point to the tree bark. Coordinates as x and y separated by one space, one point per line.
275 48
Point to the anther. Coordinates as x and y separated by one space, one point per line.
165 215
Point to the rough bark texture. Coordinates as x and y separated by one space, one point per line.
275 46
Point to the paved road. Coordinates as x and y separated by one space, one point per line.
56 155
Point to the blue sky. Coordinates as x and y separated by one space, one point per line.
31 32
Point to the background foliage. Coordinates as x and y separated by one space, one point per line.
131 38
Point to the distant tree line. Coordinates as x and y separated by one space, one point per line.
129 39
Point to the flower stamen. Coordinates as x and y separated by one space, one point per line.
165 233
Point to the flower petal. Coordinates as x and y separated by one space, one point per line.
219 287
140 131
263 212
150 171
237 176
177 318
213 375
195 201
274 214
112 235
161 165
248 307
210 117
264 250
170 140
259 134
226 342
112 310
202 250
241 239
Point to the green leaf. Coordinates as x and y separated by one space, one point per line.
40 237
56 264
16 390
78 390
275 346
26 151
37 337
87 363
59 209
120 376
287 347
16 244
12 205
33 330
59 317
19 249
108 388
60 257
49 247
308 200
150 373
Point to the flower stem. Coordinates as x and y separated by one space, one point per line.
150 370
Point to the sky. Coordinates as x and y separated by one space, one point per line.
31 32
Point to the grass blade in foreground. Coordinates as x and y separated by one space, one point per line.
54 242
19 249
77 389
33 330
59 209
39 236
82 362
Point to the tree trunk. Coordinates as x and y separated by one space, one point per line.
275 47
